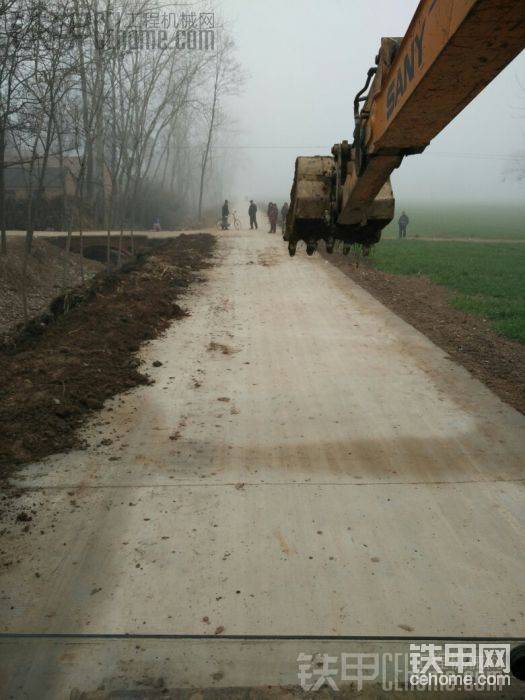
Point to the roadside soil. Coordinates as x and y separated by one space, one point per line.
61 369
45 278
468 339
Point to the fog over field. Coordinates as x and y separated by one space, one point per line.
306 59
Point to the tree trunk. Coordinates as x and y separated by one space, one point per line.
58 129
24 284
108 250
3 216
121 235
81 250
66 261
208 142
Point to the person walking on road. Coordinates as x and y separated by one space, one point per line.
252 213
225 215
284 214
403 223
275 217
273 214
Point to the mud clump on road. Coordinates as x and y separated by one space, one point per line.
68 364
221 347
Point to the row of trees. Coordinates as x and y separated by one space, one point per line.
129 112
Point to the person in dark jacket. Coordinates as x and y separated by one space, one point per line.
284 214
225 215
403 223
252 213
273 215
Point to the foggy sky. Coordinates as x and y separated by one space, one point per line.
306 59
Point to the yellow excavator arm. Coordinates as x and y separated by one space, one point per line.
452 49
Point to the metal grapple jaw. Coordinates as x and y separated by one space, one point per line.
315 203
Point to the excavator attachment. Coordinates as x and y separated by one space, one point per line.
451 51
314 205
310 202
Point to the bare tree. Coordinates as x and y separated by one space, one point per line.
15 29
133 128
226 80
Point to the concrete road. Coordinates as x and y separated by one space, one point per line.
306 463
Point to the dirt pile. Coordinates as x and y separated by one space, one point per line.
60 370
496 361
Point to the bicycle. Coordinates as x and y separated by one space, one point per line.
236 221
232 220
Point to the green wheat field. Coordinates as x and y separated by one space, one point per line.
484 278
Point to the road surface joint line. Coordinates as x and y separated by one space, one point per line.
7 636
94 487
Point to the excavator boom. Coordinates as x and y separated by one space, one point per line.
452 49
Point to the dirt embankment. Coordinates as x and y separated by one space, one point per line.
46 276
496 361
59 371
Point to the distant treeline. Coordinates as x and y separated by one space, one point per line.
115 135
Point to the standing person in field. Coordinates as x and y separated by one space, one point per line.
284 214
252 213
225 215
403 223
